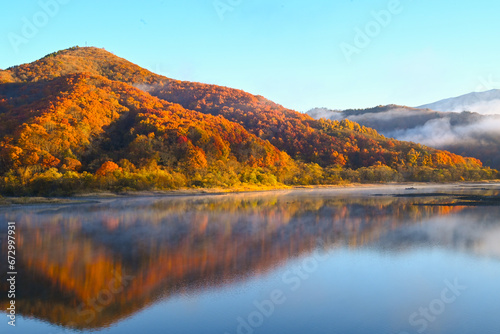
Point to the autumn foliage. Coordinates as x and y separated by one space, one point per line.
83 119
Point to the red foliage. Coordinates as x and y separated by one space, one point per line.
107 168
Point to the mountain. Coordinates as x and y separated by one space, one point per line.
83 118
481 102
83 121
465 133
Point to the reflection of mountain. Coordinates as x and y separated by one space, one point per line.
475 232
466 133
71 255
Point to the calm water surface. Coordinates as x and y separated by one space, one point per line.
376 260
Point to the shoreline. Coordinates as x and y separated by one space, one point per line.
352 188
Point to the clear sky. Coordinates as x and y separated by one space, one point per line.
301 54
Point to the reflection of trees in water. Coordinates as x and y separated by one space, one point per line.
71 254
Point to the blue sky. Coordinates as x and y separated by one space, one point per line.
292 52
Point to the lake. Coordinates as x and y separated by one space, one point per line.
356 260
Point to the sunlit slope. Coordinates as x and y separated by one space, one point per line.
80 121
324 142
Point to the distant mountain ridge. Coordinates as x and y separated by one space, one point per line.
487 102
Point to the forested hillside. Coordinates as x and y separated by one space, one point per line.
83 119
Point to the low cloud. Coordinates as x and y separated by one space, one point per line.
440 133
464 133
318 113
485 108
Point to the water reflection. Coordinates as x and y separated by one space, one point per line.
90 265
